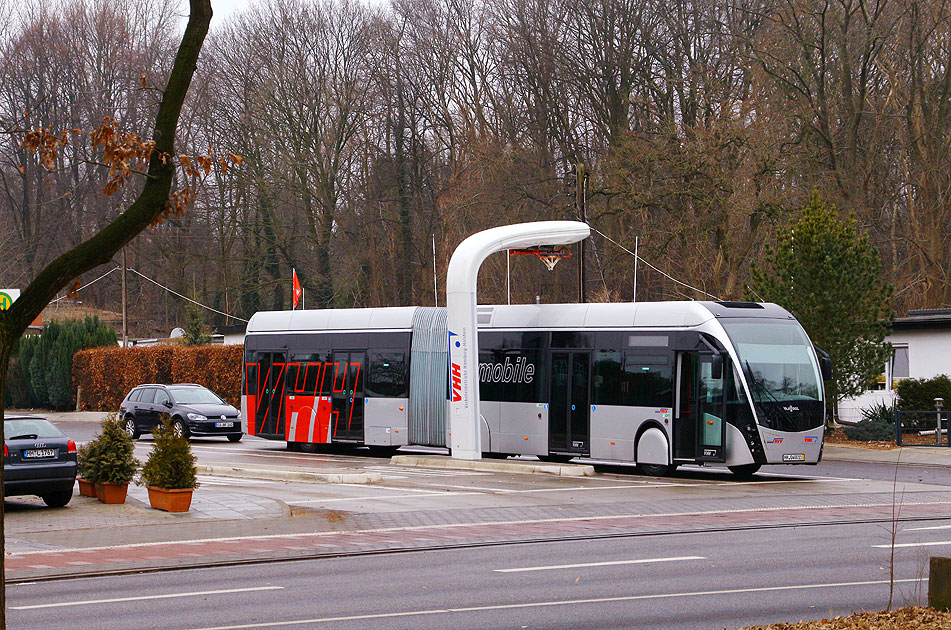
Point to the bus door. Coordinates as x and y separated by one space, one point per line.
700 429
347 394
568 405
268 391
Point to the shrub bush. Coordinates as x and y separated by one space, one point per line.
171 464
107 374
871 431
110 456
41 367
918 394
877 425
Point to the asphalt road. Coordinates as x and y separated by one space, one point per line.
684 581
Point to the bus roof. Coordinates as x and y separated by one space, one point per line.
547 316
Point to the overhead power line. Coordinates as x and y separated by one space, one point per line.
640 258
186 298
162 286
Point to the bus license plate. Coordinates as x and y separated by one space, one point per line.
39 453
223 425
794 457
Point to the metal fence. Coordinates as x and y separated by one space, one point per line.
922 428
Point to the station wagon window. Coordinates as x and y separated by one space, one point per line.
161 397
147 394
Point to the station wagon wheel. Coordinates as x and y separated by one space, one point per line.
235 438
129 428
57 499
179 428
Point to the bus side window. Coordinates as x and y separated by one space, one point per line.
607 377
291 374
489 386
646 380
387 375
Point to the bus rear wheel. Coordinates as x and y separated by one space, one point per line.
744 471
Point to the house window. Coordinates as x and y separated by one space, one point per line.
899 366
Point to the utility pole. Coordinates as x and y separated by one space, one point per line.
125 328
580 191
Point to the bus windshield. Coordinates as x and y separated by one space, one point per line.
778 362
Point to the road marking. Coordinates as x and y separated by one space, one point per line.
570 602
918 529
381 496
144 597
921 544
555 567
383 530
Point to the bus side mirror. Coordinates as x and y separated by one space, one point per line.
716 367
825 364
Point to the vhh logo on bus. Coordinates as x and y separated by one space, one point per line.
455 371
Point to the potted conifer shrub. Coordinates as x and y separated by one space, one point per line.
169 473
84 474
112 463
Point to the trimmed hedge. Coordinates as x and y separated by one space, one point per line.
107 374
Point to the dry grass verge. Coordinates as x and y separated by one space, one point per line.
911 618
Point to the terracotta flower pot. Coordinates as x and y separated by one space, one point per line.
112 493
173 500
86 488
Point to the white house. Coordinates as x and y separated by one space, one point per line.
922 343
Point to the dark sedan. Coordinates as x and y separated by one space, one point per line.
38 459
193 409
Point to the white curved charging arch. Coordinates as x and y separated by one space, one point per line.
466 436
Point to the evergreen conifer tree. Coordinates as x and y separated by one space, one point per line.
827 274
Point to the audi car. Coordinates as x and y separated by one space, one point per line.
38 459
193 409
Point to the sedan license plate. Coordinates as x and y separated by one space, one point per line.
794 457
39 453
224 425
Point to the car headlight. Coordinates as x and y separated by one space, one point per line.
197 417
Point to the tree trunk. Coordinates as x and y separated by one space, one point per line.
101 247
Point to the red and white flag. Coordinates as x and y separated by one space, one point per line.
297 290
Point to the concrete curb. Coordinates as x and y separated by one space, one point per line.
290 475
494 465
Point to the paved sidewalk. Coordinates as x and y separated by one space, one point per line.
917 455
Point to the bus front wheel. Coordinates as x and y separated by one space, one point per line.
744 471
656 470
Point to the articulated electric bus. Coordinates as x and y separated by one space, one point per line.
657 384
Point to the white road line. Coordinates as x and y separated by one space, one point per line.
381 530
380 496
919 544
555 567
919 529
570 602
536 490
143 597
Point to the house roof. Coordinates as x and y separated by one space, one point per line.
925 319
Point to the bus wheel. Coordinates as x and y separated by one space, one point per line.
293 447
383 451
655 470
745 471
307 447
